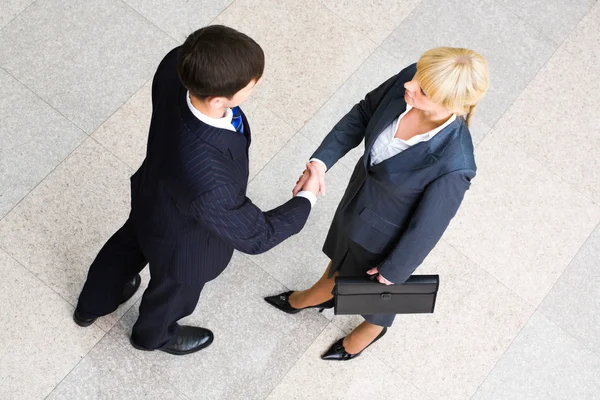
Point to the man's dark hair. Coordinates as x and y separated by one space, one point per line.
219 61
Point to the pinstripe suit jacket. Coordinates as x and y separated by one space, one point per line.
189 203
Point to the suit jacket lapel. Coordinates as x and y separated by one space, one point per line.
381 119
421 155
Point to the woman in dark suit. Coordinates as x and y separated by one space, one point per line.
405 189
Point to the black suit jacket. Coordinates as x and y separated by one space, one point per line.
189 201
396 210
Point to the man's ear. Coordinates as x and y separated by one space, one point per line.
216 102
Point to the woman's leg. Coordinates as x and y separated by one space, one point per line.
319 293
361 337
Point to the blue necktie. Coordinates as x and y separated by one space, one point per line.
236 121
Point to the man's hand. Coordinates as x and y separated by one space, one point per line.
319 172
380 278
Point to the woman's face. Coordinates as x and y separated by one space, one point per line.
415 97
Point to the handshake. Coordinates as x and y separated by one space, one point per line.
312 179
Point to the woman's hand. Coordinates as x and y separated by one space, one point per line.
380 278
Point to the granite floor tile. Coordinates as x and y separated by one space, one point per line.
269 134
365 377
40 341
58 229
554 18
449 353
111 372
298 262
478 130
125 133
30 148
519 221
564 133
9 9
181 17
255 344
84 58
374 19
544 362
379 67
574 302
514 50
309 52
85 67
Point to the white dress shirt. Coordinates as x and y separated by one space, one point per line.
225 123
387 146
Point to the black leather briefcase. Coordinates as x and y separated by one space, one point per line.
367 296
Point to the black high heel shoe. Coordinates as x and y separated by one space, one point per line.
282 302
337 352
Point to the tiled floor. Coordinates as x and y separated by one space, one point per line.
518 316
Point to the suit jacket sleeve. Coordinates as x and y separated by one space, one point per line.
350 130
437 207
235 219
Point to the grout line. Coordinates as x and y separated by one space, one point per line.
594 352
61 161
85 138
540 32
117 109
488 273
550 319
17 15
222 11
557 48
44 100
356 29
510 106
147 20
247 257
78 362
27 195
378 47
298 131
36 276
298 359
135 352
350 25
274 155
510 10
131 170
152 369
502 356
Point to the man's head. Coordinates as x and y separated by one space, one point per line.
221 65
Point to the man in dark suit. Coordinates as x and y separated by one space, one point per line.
189 206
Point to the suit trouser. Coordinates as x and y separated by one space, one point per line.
166 300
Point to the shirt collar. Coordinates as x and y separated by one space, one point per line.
223 123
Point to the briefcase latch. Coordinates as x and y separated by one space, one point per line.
386 296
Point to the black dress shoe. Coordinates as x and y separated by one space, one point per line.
282 302
337 352
189 340
128 291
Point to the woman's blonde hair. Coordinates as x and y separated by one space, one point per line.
454 78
